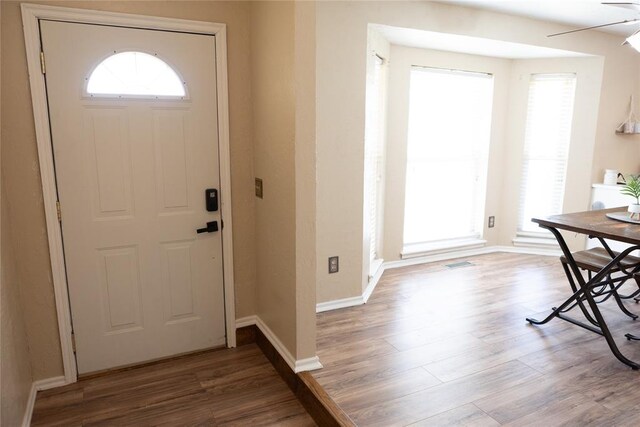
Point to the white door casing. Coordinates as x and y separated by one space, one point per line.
118 255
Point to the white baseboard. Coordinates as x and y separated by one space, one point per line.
245 321
440 257
354 301
308 364
37 386
48 383
340 303
456 245
28 411
529 250
373 282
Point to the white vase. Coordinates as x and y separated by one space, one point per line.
634 210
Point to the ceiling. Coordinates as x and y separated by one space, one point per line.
574 13
465 44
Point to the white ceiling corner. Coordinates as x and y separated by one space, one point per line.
467 44
573 13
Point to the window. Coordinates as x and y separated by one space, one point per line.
546 147
374 150
135 74
447 154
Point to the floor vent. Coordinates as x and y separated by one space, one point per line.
459 264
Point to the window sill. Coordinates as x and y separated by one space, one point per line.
534 240
416 250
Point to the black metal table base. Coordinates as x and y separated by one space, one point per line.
583 291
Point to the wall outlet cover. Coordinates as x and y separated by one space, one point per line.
334 264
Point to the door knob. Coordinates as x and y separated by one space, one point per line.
211 227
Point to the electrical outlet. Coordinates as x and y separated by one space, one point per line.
259 187
492 221
334 264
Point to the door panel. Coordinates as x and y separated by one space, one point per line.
131 176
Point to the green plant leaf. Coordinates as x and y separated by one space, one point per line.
632 187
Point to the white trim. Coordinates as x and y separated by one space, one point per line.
538 240
308 364
354 301
48 383
245 321
441 256
373 282
474 252
30 18
339 303
37 386
28 411
31 14
374 267
359 300
276 343
442 247
529 250
225 180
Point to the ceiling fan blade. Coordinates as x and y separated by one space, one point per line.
633 5
634 33
626 21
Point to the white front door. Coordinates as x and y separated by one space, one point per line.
132 171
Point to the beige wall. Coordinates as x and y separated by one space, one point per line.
341 69
15 365
20 164
283 94
305 158
273 94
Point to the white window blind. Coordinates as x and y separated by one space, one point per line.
546 147
447 154
374 150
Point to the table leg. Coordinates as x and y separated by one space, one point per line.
633 272
579 302
585 287
557 311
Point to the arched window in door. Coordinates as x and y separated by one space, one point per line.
135 75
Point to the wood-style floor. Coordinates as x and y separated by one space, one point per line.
439 346
232 387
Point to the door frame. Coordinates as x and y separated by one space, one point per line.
31 14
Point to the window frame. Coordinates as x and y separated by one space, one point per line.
376 98
529 237
109 96
474 238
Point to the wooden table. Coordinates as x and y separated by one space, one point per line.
594 224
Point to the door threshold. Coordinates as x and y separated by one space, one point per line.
103 372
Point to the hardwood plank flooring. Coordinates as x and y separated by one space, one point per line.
436 346
217 388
